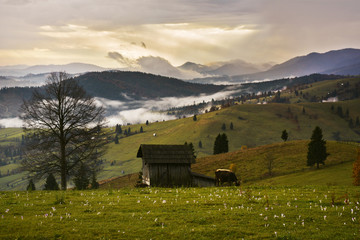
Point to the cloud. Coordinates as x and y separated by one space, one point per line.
154 65
11 122
153 110
121 59
179 30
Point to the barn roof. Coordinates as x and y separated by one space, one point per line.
152 153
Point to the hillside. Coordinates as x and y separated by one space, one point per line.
114 85
136 85
255 125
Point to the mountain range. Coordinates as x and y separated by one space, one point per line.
340 62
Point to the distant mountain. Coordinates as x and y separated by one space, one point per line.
114 85
118 85
71 68
340 62
228 68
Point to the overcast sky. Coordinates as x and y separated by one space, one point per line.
202 31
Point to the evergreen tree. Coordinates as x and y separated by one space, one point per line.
141 129
339 111
31 186
81 179
192 149
129 131
125 132
147 122
316 149
224 143
94 183
303 110
284 135
351 123
118 129
195 118
51 183
231 126
200 144
221 144
223 127
357 122
116 139
217 145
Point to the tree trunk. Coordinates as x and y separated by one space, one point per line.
63 167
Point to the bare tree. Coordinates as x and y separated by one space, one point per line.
269 161
63 127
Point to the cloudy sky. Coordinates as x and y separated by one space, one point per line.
114 33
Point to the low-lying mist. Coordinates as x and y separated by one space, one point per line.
140 111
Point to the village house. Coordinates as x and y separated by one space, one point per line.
169 166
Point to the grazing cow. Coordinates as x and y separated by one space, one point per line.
225 175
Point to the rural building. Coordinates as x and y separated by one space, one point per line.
170 165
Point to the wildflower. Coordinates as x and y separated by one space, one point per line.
325 217
155 220
7 210
282 215
98 213
138 201
53 208
164 201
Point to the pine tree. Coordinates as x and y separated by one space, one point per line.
351 124
195 118
223 127
147 122
51 183
316 149
31 186
116 139
141 129
192 149
339 111
231 126
357 122
284 135
94 183
224 143
347 114
303 110
81 179
200 144
217 145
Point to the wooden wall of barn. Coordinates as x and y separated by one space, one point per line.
169 175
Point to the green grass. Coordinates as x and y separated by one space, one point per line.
254 125
310 212
288 158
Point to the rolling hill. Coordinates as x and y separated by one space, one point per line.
258 126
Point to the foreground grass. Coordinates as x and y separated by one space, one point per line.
184 213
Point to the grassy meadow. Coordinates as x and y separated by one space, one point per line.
311 212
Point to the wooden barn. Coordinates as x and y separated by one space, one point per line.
168 165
